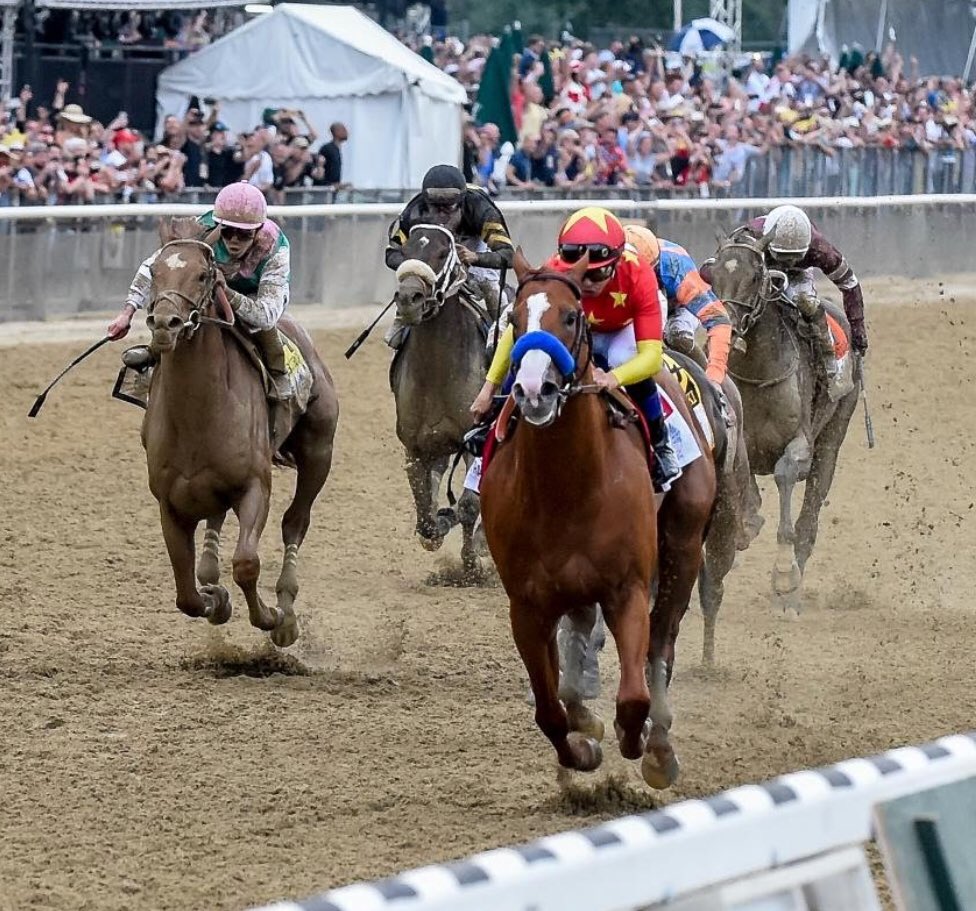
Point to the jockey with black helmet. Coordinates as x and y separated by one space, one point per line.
484 244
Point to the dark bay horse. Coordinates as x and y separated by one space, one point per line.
435 376
793 430
208 444
570 518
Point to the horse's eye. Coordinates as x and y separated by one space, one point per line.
571 318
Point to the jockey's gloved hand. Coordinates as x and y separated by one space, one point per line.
468 257
859 337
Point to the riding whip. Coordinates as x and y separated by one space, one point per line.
868 424
39 401
354 347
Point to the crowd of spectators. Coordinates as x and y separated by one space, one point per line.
631 115
179 30
623 116
57 154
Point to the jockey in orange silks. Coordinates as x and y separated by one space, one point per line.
620 300
691 301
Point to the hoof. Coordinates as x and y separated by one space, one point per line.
218 604
584 721
286 632
446 520
660 776
431 544
587 753
787 581
787 605
635 750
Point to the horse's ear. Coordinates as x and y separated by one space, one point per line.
522 265
166 230
579 269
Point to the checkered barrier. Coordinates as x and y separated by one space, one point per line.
661 856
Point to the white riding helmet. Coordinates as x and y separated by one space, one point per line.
789 231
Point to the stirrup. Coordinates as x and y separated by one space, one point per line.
666 468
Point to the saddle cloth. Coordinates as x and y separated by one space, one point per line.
693 396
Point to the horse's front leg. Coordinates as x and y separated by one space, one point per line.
252 513
792 465
579 637
213 602
535 640
208 567
421 476
468 510
627 619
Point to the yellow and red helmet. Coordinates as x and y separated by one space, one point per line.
595 231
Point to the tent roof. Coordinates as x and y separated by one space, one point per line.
300 51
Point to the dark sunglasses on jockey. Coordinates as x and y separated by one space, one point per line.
600 274
443 197
573 253
237 233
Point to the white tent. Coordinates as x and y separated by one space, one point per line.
335 64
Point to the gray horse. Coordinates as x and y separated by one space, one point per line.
793 430
435 376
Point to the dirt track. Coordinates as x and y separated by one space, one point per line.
139 766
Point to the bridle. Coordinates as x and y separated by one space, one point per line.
439 285
197 304
772 289
548 342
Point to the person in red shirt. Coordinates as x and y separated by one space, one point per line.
620 300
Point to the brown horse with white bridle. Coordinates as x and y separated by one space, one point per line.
208 439
570 518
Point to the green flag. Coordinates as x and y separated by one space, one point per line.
545 80
494 98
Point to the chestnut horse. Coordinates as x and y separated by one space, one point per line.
570 518
208 440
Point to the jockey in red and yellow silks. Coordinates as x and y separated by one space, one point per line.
690 297
620 300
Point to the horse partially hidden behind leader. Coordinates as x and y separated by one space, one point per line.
794 430
208 439
570 518
434 377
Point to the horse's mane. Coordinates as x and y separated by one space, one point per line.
179 228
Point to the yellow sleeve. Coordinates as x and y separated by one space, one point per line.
642 365
503 357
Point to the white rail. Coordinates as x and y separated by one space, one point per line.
637 861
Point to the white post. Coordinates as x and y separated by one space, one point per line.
879 41
969 58
677 15
8 16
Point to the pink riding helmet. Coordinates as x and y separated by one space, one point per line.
240 205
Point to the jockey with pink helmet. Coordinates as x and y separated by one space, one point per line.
253 258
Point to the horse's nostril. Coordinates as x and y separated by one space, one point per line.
417 298
174 323
549 389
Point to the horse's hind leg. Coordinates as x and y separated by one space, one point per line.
314 465
208 566
821 476
720 547
536 643
252 514
792 465
578 659
213 603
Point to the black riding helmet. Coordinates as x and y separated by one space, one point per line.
443 186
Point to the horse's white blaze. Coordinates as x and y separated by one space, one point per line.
175 261
532 373
731 265
538 304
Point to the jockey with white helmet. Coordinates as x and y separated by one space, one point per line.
794 245
253 258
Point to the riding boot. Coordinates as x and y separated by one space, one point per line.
813 312
397 334
666 469
139 358
273 355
